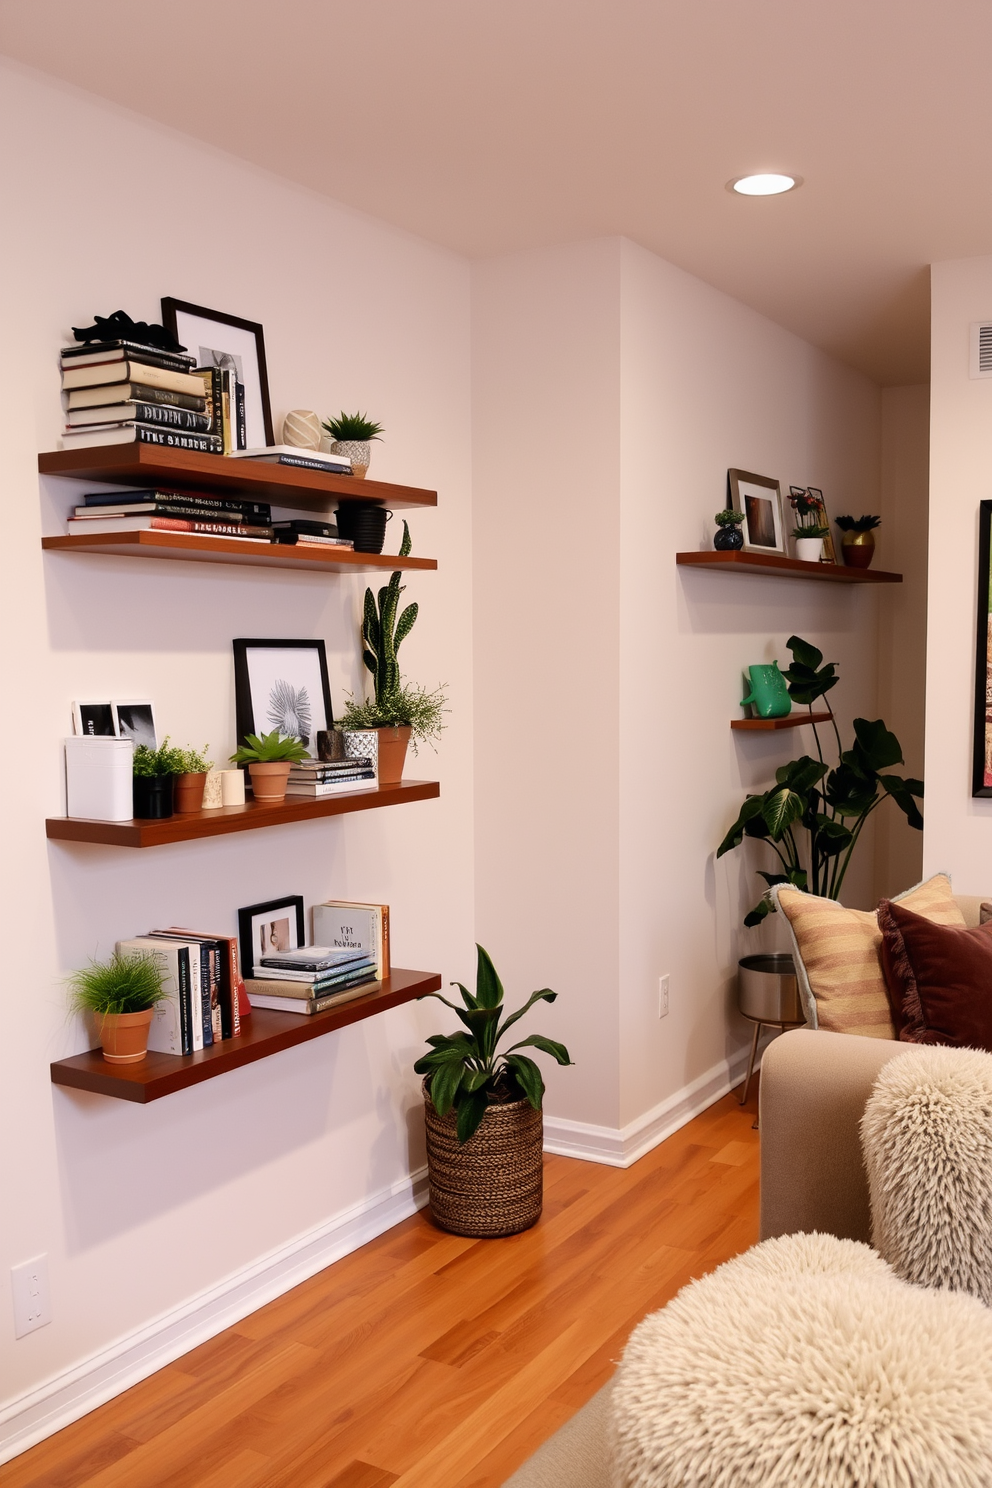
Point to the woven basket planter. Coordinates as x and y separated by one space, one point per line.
493 1184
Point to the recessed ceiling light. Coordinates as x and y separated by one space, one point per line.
767 183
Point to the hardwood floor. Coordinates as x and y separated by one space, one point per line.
425 1360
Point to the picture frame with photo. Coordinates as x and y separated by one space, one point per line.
282 684
759 499
275 925
219 340
829 551
94 719
134 719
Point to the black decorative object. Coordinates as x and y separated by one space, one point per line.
728 539
228 341
981 784
364 524
120 327
152 797
269 929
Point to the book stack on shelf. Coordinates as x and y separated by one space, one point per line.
293 455
354 951
224 517
205 991
121 392
305 532
315 778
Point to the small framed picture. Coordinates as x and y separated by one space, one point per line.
981 784
829 551
759 498
282 685
94 719
228 342
264 929
135 721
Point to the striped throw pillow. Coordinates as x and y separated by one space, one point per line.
838 958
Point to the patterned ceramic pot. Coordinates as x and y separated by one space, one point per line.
358 451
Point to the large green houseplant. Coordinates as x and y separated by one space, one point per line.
483 1112
813 816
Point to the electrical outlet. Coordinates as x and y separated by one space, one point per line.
663 996
32 1300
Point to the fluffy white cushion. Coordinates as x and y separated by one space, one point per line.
780 1378
927 1141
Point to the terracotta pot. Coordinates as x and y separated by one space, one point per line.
493 1184
189 791
124 1036
858 549
392 754
269 779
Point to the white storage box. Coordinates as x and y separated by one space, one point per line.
98 774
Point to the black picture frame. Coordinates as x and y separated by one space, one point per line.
253 917
171 311
981 777
249 715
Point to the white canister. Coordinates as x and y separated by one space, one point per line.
232 785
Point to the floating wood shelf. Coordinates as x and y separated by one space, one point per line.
198 549
262 1034
188 826
285 485
789 568
791 720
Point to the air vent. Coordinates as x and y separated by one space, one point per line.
980 362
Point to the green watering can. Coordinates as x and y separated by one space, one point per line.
769 695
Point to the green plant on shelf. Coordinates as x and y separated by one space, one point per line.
193 761
728 517
816 530
466 1072
269 749
351 426
165 760
128 982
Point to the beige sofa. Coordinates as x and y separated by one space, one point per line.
814 1088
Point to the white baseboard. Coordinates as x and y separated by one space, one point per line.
40 1412
619 1147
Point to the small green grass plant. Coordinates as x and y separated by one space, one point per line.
128 982
352 426
194 761
266 749
165 760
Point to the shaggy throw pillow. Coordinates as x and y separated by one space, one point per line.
939 979
837 953
927 1140
838 1379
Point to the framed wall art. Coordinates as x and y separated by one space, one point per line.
282 685
227 341
264 929
981 783
759 499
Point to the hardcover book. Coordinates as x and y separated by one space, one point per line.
356 927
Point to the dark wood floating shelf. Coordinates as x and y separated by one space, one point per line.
790 568
262 1034
187 546
187 827
791 720
284 485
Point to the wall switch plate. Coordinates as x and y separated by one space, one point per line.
32 1299
663 996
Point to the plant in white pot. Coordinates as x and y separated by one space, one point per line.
400 712
121 995
811 527
352 435
485 1127
269 758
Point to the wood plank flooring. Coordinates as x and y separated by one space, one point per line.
425 1360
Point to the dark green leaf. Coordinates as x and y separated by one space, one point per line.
782 808
879 747
475 1079
771 879
832 837
547 1046
488 987
849 791
471 1109
529 1078
545 995
467 998
444 1086
805 653
801 774
751 808
897 788
758 913
915 787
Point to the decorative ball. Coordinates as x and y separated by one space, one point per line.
302 428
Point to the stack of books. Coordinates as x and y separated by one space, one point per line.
317 778
302 459
173 511
119 392
304 532
311 979
204 986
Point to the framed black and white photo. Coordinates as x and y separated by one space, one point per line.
981 784
227 341
759 499
94 719
264 929
282 685
135 721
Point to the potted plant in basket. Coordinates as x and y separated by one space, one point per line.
269 758
858 542
155 771
352 435
191 778
485 1129
121 994
400 711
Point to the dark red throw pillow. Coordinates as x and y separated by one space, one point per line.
939 979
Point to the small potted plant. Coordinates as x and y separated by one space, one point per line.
811 527
858 541
485 1129
400 711
155 771
191 779
352 435
269 759
728 536
121 994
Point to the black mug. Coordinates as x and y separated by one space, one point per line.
364 524
152 797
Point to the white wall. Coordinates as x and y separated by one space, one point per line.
140 1210
958 833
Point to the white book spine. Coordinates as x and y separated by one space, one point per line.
165 1034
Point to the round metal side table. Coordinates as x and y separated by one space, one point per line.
768 996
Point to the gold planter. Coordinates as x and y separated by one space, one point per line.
858 549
